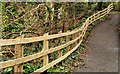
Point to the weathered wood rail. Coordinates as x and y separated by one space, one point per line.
77 36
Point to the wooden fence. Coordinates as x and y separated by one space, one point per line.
77 36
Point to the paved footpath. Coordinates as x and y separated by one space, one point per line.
103 44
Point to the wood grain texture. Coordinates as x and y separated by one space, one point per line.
45 47
75 38
18 54
60 42
67 40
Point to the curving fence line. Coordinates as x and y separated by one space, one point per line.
77 36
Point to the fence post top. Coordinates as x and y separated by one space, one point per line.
68 31
46 34
20 37
60 32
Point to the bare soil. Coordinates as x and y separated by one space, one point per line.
103 45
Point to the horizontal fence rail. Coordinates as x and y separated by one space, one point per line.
77 36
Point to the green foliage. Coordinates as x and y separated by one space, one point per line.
27 68
66 63
75 64
105 4
86 35
8 70
117 6
71 27
58 69
93 6
83 20
83 45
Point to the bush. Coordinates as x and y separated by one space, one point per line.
116 6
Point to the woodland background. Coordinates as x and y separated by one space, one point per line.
48 17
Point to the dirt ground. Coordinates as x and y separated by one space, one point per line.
103 45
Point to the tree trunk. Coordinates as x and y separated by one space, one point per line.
99 6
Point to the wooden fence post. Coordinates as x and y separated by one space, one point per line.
60 42
45 57
45 47
107 10
18 54
99 15
86 26
94 17
76 37
83 31
73 37
79 35
67 40
60 51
